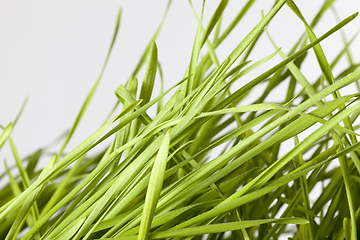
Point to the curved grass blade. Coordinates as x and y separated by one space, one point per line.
214 20
146 52
150 73
21 110
6 133
235 22
254 32
93 89
154 188
266 74
14 185
323 63
190 85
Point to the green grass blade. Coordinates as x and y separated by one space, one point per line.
306 200
214 228
349 193
146 52
323 63
236 20
263 76
14 185
150 73
220 209
70 231
256 30
214 19
154 187
21 110
93 89
5 134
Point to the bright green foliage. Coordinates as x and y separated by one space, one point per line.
160 178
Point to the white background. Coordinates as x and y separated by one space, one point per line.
53 52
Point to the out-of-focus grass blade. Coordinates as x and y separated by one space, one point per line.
327 4
61 189
14 186
32 162
337 198
299 207
154 188
25 180
347 228
21 110
5 134
277 229
344 50
22 214
19 163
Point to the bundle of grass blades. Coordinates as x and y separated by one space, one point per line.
160 178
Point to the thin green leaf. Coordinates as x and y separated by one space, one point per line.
154 187
93 89
5 134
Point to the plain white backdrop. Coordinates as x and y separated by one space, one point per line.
52 52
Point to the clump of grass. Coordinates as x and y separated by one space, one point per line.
158 178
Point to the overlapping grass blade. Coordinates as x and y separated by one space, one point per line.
93 89
5 134
223 158
154 187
